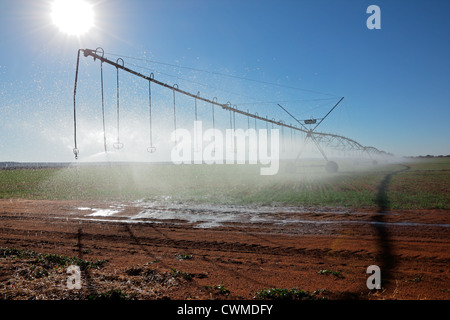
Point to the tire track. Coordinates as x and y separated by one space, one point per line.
207 245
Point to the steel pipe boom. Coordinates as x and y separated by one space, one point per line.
227 106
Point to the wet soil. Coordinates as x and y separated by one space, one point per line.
325 251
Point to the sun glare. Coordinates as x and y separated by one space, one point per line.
74 17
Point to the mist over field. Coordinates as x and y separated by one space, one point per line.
412 185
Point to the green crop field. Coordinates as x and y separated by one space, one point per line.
414 184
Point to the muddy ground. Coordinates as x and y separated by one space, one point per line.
323 251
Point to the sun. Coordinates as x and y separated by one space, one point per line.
74 17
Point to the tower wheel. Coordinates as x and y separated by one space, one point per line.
331 167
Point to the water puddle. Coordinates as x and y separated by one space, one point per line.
210 216
103 213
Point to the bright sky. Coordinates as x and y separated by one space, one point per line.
395 80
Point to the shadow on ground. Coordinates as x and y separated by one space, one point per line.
387 258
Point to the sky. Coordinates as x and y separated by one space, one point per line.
303 54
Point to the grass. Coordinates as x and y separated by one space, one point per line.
111 295
220 288
177 273
183 256
49 258
286 294
416 279
424 185
337 274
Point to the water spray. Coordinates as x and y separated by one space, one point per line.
118 144
317 137
150 149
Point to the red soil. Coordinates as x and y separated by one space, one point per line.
244 258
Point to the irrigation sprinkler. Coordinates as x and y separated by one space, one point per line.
151 148
175 86
118 144
103 99
331 166
317 138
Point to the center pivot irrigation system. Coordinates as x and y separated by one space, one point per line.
318 138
